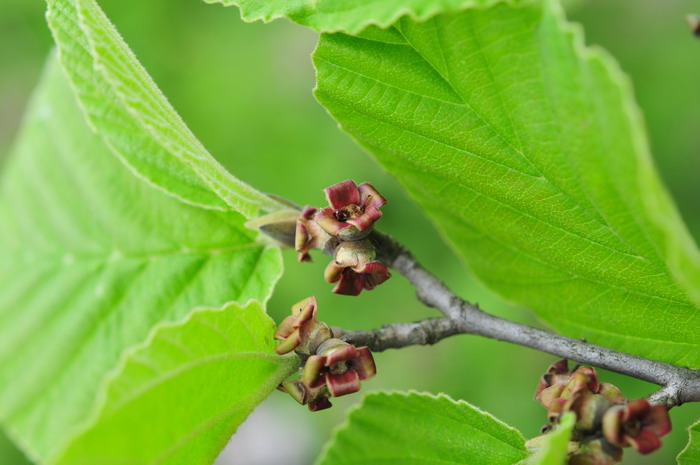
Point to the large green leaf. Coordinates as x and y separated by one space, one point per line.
528 152
422 429
349 16
691 454
123 104
201 378
93 259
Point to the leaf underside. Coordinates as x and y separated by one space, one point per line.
527 151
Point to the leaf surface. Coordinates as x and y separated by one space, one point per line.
350 16
422 429
527 151
691 454
201 377
93 259
124 106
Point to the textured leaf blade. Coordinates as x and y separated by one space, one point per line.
527 151
350 16
201 377
554 447
93 259
691 454
136 121
422 429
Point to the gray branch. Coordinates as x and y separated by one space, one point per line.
678 384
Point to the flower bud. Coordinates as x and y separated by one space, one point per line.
301 331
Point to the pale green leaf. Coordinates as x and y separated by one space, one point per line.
195 382
691 454
126 108
528 152
553 449
349 16
422 429
93 259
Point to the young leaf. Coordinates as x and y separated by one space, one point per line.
422 429
92 260
553 449
528 152
135 120
691 454
349 16
195 382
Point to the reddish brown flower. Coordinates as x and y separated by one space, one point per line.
354 268
638 424
339 366
301 331
352 212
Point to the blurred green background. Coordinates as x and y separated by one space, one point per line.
245 90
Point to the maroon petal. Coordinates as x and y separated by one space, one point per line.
333 272
636 409
367 219
657 421
370 281
645 441
346 383
340 354
372 268
313 368
350 283
342 194
369 197
308 212
325 218
364 363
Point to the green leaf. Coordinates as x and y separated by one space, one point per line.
135 120
201 378
422 429
691 454
528 152
93 259
553 449
349 16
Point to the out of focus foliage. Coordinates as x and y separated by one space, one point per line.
245 91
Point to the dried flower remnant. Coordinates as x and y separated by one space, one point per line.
339 366
353 210
638 424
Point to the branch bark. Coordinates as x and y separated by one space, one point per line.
679 384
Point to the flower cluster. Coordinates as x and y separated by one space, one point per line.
332 367
605 421
343 229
